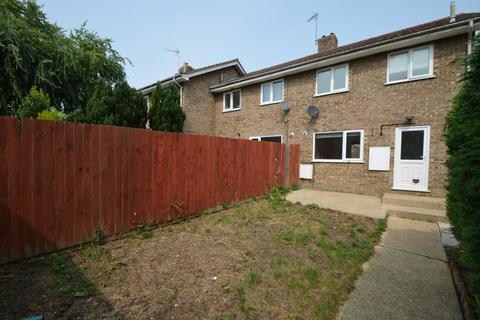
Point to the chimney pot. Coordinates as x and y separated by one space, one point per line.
326 43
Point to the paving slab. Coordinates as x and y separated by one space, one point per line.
404 281
369 206
419 237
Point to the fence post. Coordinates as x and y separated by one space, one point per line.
286 166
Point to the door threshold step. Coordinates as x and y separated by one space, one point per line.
413 201
416 213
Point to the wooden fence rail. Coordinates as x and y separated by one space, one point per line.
59 181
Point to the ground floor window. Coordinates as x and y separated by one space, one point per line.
272 138
338 146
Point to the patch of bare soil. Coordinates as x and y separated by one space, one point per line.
265 259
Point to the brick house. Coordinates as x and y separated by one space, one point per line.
369 116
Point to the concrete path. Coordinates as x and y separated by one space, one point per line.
407 278
369 206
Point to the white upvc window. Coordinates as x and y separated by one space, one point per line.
338 146
272 138
271 92
231 101
408 65
332 80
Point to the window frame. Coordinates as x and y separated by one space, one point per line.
231 101
254 138
344 147
271 101
332 83
410 77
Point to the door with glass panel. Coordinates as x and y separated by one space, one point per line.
411 158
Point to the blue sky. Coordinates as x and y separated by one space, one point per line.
259 33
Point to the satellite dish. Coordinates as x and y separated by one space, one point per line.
313 112
284 106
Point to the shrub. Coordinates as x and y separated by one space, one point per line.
463 142
52 114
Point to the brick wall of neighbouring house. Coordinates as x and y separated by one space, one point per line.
369 104
198 102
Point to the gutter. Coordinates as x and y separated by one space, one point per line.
388 45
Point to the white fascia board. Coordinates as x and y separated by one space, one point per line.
222 66
344 57
164 82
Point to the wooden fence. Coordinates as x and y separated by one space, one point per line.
59 181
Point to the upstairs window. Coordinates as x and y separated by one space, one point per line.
338 146
332 80
231 101
272 92
411 64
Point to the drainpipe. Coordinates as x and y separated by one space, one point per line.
469 43
181 91
470 37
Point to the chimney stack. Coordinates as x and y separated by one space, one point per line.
326 43
185 68
452 12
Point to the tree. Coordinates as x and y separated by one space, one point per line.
119 105
165 112
34 51
463 142
33 103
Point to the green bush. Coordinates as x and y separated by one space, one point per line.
34 102
166 113
463 142
52 114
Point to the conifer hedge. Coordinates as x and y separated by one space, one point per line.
463 142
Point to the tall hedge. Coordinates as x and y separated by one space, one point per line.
463 142
166 113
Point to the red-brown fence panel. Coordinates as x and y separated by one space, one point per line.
60 181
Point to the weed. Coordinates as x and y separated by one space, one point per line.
381 227
289 237
353 234
276 196
97 235
142 231
253 278
224 317
322 231
313 254
296 186
311 275
93 251
226 287
312 206
225 205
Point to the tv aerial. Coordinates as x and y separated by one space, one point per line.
177 53
314 17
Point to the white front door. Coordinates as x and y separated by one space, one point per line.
411 158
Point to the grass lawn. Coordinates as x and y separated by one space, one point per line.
263 259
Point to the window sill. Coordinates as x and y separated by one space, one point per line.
269 103
330 93
233 110
338 161
411 190
409 80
